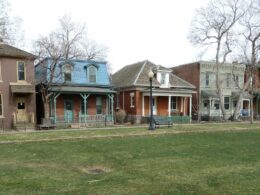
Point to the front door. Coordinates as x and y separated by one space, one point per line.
154 105
21 108
68 111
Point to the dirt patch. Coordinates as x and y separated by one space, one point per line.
95 170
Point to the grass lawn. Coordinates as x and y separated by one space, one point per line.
179 160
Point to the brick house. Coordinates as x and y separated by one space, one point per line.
17 88
172 96
80 92
202 74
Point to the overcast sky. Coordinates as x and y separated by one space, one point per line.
133 30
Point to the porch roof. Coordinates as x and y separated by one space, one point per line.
209 93
69 89
168 91
22 88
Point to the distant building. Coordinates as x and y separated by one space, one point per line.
172 96
17 88
80 91
206 102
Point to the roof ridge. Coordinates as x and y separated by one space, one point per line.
140 72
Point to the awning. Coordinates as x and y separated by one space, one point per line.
22 89
209 93
235 94
74 89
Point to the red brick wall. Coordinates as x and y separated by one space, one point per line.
190 73
91 105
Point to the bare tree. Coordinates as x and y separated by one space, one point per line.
250 27
68 41
213 27
10 27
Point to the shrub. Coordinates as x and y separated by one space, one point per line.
120 116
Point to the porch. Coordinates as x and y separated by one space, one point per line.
175 104
81 106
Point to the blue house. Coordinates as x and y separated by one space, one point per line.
79 91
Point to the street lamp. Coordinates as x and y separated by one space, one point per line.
150 75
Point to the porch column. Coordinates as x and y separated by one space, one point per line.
169 105
85 97
143 105
111 105
55 101
190 109
257 105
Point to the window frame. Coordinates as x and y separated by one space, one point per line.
18 72
226 103
89 74
99 106
132 100
1 78
207 79
67 70
163 78
174 102
82 107
1 106
228 79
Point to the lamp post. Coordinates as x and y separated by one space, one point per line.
150 75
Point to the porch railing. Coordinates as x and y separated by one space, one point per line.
89 119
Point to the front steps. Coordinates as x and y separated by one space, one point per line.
23 126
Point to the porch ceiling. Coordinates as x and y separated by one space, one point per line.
68 89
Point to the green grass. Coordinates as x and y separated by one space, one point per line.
211 162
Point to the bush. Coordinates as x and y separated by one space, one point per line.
120 116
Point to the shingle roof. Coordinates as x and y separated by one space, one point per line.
10 51
137 75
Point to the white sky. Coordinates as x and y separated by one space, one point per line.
133 30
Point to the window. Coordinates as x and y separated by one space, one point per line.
205 104
162 78
82 107
67 69
132 100
226 103
234 104
173 103
236 79
21 71
92 74
0 72
1 105
228 77
216 104
207 79
99 105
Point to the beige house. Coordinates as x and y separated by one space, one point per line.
17 89
203 75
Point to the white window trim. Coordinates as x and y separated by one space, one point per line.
132 95
63 72
17 71
89 73
1 95
1 78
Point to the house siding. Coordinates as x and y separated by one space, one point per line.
9 75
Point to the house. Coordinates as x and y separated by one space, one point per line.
17 88
206 103
172 96
80 91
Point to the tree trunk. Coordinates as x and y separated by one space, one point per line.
46 109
